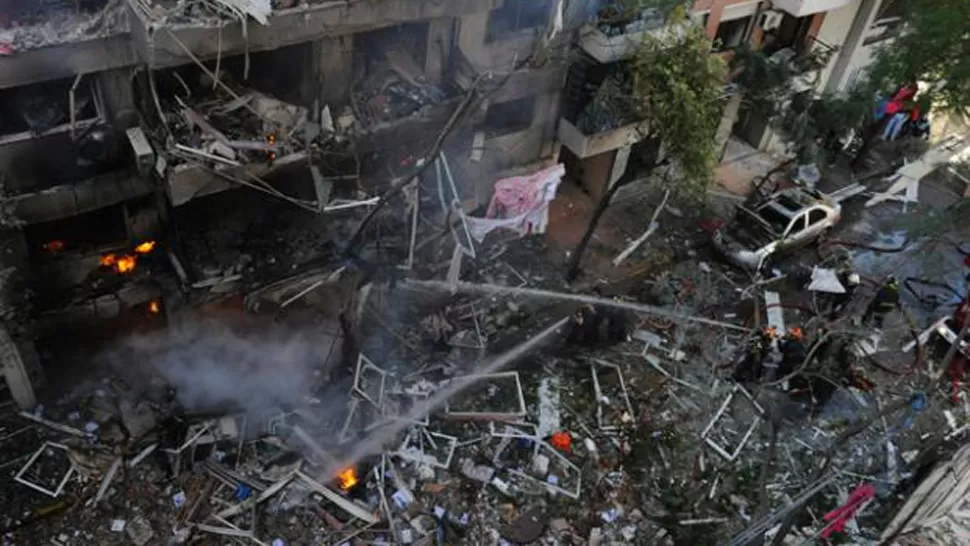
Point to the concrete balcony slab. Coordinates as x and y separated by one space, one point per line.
589 145
609 49
66 60
69 200
166 45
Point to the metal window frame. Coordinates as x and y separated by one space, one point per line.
78 126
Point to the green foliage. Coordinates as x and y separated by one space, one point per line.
934 47
766 83
677 88
808 117
624 11
800 118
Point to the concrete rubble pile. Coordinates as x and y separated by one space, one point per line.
211 12
246 127
392 87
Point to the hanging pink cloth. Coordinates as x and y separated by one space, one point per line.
520 203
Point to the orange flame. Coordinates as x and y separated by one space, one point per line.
121 264
347 478
145 248
125 264
154 308
54 246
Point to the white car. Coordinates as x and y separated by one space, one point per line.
788 219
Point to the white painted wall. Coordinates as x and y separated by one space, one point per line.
834 31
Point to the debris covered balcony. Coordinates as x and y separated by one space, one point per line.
616 36
170 33
44 39
396 95
62 154
596 116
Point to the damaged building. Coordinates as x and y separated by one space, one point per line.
266 264
126 122
130 124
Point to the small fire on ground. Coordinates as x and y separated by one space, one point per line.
154 308
348 479
145 248
126 263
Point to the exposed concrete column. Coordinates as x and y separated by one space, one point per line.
17 357
439 49
863 18
335 66
15 372
728 119
118 97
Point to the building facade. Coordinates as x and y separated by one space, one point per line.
117 130
125 122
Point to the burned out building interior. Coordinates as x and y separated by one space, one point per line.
237 160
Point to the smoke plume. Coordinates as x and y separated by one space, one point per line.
212 366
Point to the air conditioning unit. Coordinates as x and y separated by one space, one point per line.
770 20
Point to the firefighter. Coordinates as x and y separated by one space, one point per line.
886 300
850 281
599 325
758 349
793 351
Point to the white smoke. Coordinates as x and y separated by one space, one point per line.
211 365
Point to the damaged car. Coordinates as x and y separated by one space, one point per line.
787 220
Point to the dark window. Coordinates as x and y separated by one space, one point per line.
730 34
890 9
791 33
509 117
516 15
815 216
40 107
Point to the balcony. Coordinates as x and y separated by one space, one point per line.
587 145
174 39
67 200
801 8
58 39
42 145
608 48
525 82
597 115
618 32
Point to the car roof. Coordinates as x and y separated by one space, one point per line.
790 202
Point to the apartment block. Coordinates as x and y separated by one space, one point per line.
156 153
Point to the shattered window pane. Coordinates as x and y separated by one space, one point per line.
509 117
